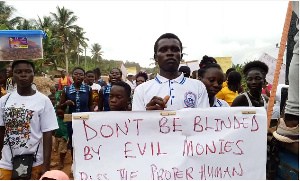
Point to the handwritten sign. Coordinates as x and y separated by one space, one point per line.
271 62
211 143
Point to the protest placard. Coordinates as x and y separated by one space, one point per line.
271 62
210 143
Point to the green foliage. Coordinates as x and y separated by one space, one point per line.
3 27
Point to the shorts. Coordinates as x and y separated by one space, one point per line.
61 145
6 174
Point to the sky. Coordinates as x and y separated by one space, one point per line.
127 30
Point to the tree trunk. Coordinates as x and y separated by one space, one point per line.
85 58
66 57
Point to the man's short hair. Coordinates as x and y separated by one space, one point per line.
169 36
17 62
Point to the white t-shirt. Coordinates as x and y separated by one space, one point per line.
96 87
184 93
26 118
220 103
130 84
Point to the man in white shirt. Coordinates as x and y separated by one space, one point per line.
184 92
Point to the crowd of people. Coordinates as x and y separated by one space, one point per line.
29 119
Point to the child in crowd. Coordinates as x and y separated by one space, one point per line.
119 97
115 75
212 76
90 78
53 100
57 93
230 92
141 77
61 137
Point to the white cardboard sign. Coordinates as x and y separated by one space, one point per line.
199 144
271 62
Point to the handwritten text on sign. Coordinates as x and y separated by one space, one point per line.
213 143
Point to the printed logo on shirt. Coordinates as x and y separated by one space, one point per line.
17 124
190 99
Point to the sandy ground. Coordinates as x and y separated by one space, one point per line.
68 162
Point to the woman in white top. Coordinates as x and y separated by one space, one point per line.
27 120
212 76
255 73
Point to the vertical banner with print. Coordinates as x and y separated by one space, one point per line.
124 71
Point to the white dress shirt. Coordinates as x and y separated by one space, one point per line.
184 93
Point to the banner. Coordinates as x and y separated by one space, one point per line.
131 70
124 71
200 144
224 62
193 65
271 62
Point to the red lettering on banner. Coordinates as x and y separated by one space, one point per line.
108 126
197 123
142 153
162 124
124 174
174 125
119 128
241 153
137 126
214 148
87 155
126 156
90 128
255 126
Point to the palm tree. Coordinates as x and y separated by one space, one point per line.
25 24
42 24
6 13
96 51
78 40
64 25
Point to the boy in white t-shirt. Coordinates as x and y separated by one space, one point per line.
90 77
184 92
27 119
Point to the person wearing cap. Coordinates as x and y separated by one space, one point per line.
184 92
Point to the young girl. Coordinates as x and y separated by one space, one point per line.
114 76
90 78
141 77
230 92
27 118
119 97
255 73
78 97
212 77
